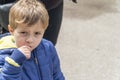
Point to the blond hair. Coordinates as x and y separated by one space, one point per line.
28 12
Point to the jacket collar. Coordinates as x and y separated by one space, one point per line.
7 42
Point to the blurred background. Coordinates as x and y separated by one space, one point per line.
89 40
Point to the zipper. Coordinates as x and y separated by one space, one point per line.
37 66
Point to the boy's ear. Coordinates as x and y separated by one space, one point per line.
11 30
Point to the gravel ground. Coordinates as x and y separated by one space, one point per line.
89 40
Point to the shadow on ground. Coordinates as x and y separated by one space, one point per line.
88 9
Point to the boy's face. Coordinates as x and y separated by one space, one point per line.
26 35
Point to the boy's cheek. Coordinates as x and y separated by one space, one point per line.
19 44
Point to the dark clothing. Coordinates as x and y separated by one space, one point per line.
55 21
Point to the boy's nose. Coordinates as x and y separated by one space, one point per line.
29 39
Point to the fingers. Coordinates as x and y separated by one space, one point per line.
26 51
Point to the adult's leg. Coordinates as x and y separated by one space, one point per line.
54 23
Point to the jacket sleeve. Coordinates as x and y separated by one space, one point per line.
8 71
57 73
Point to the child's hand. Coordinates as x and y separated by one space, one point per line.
26 51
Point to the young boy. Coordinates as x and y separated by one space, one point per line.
25 55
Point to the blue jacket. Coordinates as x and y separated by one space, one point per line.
43 65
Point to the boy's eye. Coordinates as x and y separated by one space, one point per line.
37 33
23 33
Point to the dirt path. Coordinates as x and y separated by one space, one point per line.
89 40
